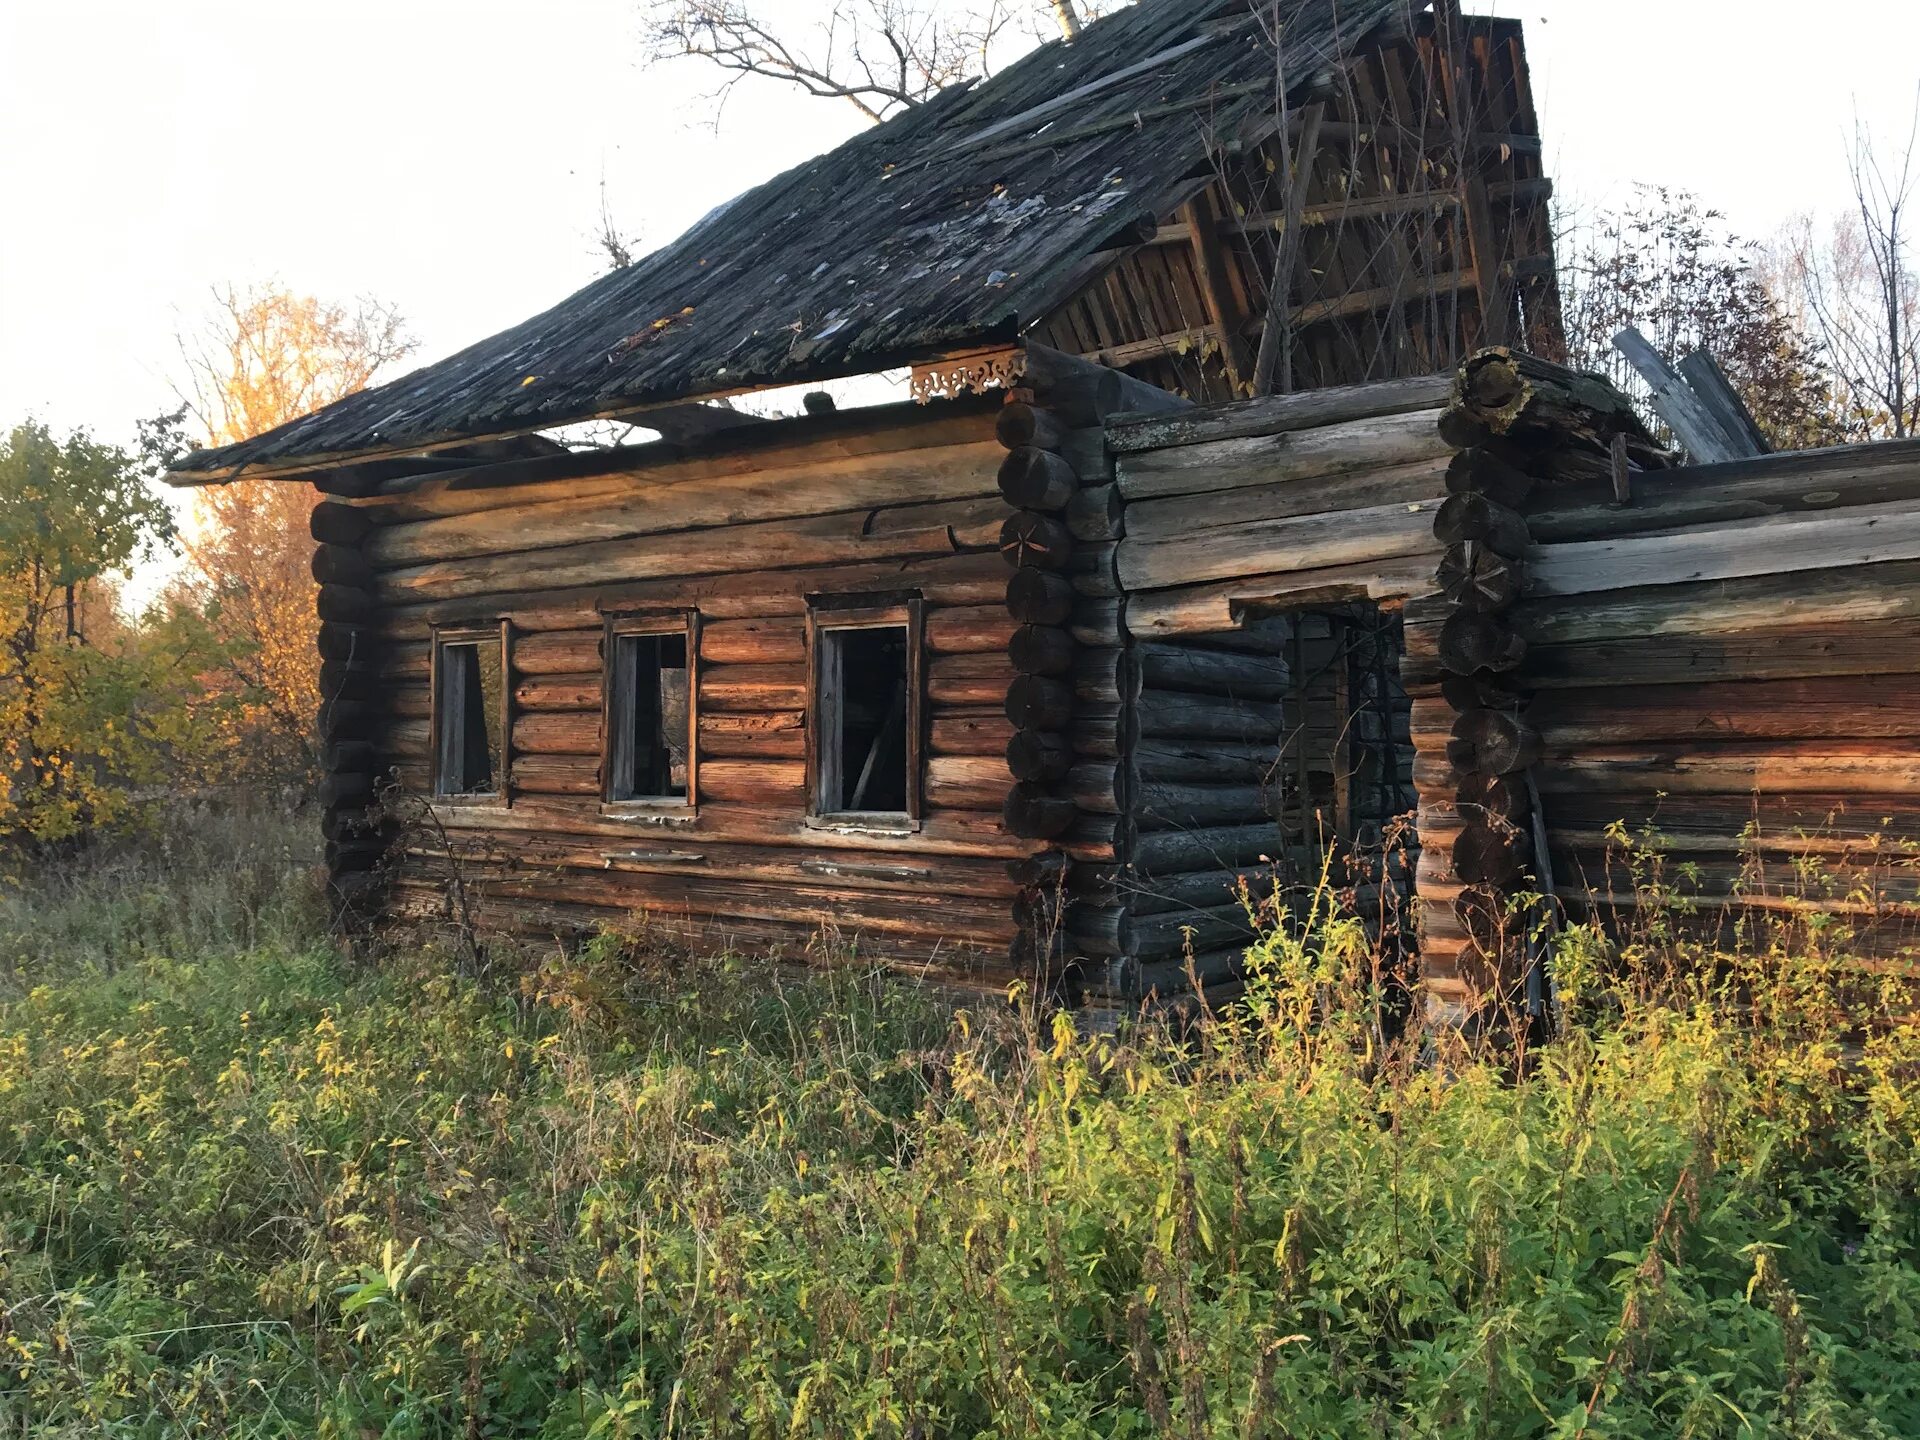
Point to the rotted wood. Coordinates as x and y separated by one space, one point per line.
1023 426
1492 470
1039 755
1502 391
1470 642
1032 540
342 565
345 605
1478 577
1033 812
332 523
1042 650
1502 743
1039 702
1035 479
1476 518
1040 597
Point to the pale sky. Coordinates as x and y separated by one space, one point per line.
447 157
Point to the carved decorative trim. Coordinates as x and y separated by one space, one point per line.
968 375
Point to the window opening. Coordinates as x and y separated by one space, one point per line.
649 718
865 678
471 684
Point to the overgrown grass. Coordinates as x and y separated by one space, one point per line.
247 1188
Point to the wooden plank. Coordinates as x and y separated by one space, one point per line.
1702 371
1277 414
1863 535
1696 427
1196 610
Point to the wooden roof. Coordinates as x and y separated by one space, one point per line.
954 225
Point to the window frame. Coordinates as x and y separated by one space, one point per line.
826 615
623 625
444 638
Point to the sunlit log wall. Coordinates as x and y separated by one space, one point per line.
887 502
1714 663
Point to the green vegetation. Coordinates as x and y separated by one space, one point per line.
249 1187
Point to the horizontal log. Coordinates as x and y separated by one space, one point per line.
1790 652
753 687
1096 622
967 782
773 640
1279 414
1041 650
860 538
1493 471
969 629
1480 520
1211 761
345 605
560 692
1032 479
615 508
1836 707
1833 598
1219 606
1471 642
1102 676
347 642
1341 493
342 566
561 652
1039 597
1697 495
1175 852
1020 426
1035 813
1039 755
1500 743
1489 854
1865 535
964 579
1371 443
764 783
1094 572
1165 714
1037 702
561 734
969 680
1031 540
1096 513
1864 768
1084 392
1212 672
1478 577
971 732
555 775
769 735
1161 805
333 523
1264 547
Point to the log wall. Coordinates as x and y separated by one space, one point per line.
893 502
1264 548
1729 658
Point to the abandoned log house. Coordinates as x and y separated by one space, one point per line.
1019 676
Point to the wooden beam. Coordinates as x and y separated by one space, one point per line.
1210 268
1716 392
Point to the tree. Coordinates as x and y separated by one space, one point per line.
90 706
267 356
1860 295
881 56
1670 266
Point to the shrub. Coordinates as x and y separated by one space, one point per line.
249 1189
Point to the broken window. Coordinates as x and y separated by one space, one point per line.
649 713
470 713
867 713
